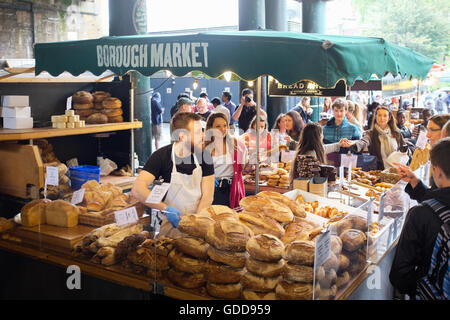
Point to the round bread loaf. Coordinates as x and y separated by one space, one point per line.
295 208
328 294
336 245
99 96
186 280
112 112
98 106
193 247
342 279
329 280
224 291
344 263
256 283
221 273
232 259
185 263
353 239
265 247
358 223
294 291
342 225
82 97
332 262
300 252
271 208
219 212
253 295
84 113
97 118
115 119
228 235
83 106
112 103
297 273
259 223
195 225
264 269
298 230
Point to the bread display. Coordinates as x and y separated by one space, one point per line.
82 97
219 212
195 225
295 208
224 291
265 247
228 235
193 247
353 239
219 273
271 208
232 259
253 295
99 96
186 280
286 290
253 282
259 223
97 118
62 214
185 263
33 213
264 269
300 252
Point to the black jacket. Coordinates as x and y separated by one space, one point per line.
415 246
421 192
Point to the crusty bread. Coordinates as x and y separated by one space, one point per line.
353 239
328 293
298 230
195 225
62 214
336 245
260 224
112 103
224 291
33 213
97 118
191 246
82 97
295 208
269 207
329 280
228 235
342 279
99 96
344 263
253 295
84 113
332 262
185 263
265 247
112 112
286 290
264 269
186 280
300 252
219 212
115 119
232 259
304 274
83 106
256 283
221 273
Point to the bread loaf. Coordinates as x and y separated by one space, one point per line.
98 106
298 230
342 225
82 97
232 259
332 262
97 118
344 263
353 239
115 119
99 96
112 112
265 247
256 283
224 291
264 269
33 213
186 280
228 235
185 263
304 274
295 208
193 247
114 240
342 279
358 223
163 246
329 280
259 223
271 208
112 103
328 293
336 245
195 225
146 258
294 291
219 212
253 295
220 273
83 106
300 252
62 214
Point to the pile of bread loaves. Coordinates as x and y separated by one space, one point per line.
44 211
98 107
278 178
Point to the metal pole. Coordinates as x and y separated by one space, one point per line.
132 120
258 112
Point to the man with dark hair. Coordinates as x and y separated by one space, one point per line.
174 108
338 127
183 105
188 170
420 267
227 103
220 108
246 110
204 95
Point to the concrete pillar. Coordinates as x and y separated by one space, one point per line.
129 18
276 19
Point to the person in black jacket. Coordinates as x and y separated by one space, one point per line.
157 111
415 247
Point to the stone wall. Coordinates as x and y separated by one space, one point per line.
23 23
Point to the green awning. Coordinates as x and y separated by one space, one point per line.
286 56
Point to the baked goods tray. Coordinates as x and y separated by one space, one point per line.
99 219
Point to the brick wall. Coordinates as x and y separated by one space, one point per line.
23 23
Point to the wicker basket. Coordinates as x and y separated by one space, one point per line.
107 216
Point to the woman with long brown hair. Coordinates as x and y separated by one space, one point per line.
294 126
327 102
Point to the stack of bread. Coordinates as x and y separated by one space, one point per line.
43 211
98 107
264 266
83 103
112 108
329 281
280 178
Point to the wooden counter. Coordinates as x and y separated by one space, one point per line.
251 188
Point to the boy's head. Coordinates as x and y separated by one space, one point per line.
339 107
440 166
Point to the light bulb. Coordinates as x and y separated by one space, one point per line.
195 85
227 76
250 83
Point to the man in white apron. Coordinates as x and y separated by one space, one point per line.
191 179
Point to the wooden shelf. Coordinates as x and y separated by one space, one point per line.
38 133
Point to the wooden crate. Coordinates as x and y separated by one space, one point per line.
106 216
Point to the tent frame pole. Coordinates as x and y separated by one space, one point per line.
133 169
258 112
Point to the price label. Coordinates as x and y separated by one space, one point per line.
126 216
78 196
347 160
52 177
287 156
323 248
69 103
422 140
341 175
158 192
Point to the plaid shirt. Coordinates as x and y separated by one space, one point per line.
333 133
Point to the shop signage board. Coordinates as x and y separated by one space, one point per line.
306 88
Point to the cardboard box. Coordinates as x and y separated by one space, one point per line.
18 123
15 101
301 183
15 112
319 186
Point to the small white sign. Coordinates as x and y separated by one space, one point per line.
78 196
126 216
169 90
341 175
203 90
323 248
422 140
347 161
287 156
69 103
158 192
226 89
52 177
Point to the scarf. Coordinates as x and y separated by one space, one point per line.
387 141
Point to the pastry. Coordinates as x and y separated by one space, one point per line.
228 235
295 208
185 263
195 225
264 269
221 273
269 207
193 247
232 259
259 223
82 97
257 283
300 252
253 295
112 103
224 291
62 214
353 239
186 280
33 213
304 274
265 247
294 291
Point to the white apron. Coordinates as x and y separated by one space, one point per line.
184 193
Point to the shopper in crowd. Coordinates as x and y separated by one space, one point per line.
401 120
338 127
279 130
304 109
157 120
351 111
246 110
176 106
370 111
188 169
420 267
220 108
382 140
426 115
223 147
204 95
294 126
327 105
446 130
202 108
227 103
358 113
265 141
310 144
416 189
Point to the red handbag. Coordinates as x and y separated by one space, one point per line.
237 191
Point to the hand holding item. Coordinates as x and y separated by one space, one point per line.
345 143
288 139
406 174
173 215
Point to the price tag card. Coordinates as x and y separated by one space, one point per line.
422 140
347 160
341 175
78 196
350 173
69 103
287 156
323 248
126 216
158 192
52 177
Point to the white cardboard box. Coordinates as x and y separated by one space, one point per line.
15 101
15 112
18 123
